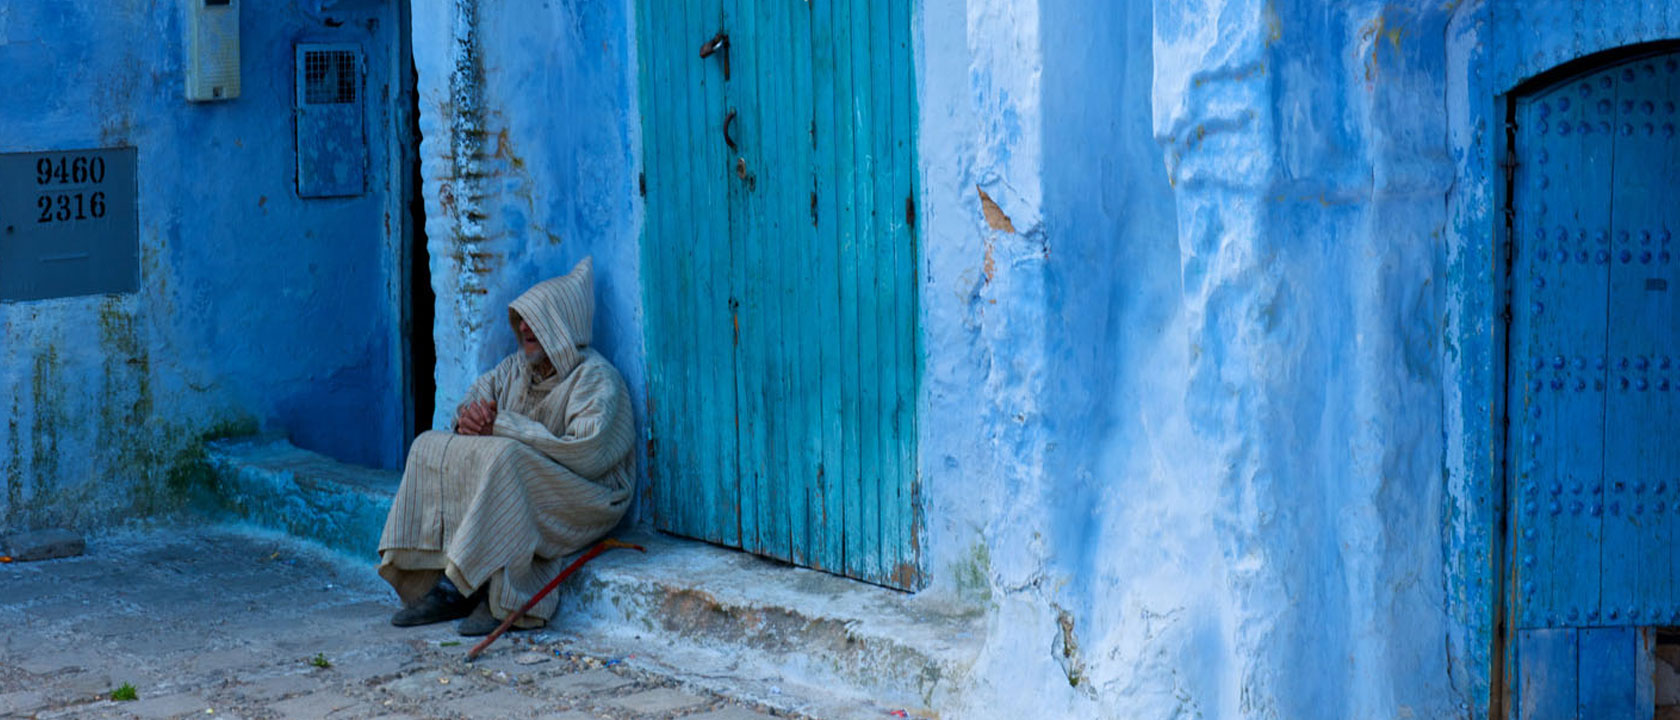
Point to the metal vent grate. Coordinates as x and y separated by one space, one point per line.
329 77
331 144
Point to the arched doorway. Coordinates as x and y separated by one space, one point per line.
1593 388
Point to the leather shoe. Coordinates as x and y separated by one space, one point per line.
480 623
438 605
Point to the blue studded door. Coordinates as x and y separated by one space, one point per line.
1594 393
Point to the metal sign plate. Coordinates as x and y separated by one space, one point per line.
68 223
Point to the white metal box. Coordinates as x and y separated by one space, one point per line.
212 43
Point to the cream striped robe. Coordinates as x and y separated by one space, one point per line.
555 476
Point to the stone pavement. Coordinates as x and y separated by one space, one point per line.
233 623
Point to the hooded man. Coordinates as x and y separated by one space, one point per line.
539 466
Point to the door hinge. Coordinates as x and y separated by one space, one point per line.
813 202
641 183
910 210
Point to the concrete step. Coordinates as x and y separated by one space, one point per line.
271 483
741 620
780 624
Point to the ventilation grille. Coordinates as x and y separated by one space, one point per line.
329 77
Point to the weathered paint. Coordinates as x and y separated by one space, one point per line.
780 281
1212 388
1493 47
254 305
1591 358
527 166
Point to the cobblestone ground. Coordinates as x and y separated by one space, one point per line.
218 623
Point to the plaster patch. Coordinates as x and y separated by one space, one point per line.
994 217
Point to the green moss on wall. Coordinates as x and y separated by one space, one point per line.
973 574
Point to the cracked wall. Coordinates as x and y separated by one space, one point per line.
256 309
1210 446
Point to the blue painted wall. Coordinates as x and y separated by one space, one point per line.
256 310
1183 428
1207 425
528 165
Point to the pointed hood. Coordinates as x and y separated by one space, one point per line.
561 312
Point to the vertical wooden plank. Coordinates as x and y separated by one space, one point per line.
772 107
905 565
867 563
886 291
676 244
1637 454
714 439
805 398
665 200
1607 683
1628 405
1548 681
748 212
847 180
1624 401
1665 221
828 512
1583 325
686 89
1568 327
1533 532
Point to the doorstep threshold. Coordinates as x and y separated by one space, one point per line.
777 623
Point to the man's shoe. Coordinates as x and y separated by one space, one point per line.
480 623
439 604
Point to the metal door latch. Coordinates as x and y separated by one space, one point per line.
718 44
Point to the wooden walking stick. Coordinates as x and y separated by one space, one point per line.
600 547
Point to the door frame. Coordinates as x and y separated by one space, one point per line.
1502 670
1491 48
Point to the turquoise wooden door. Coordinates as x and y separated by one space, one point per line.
1594 394
778 267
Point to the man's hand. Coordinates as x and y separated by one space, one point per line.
476 418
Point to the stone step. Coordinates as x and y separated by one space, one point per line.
742 619
269 482
787 626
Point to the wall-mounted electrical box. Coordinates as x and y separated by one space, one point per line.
212 49
331 145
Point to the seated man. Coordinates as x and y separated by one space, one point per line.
538 467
